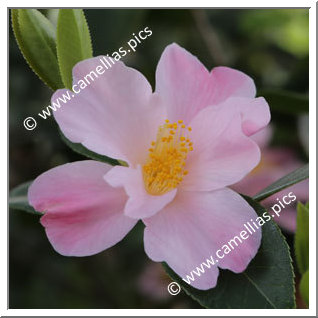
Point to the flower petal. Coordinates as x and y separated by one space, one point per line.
263 136
191 230
231 83
255 113
116 115
186 86
222 154
83 214
140 203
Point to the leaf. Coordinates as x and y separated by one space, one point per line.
52 15
266 283
286 102
79 148
304 287
73 42
18 198
35 35
285 182
302 238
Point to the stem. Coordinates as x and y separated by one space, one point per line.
209 36
285 182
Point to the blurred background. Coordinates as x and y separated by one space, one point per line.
270 45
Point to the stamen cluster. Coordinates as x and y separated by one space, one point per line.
165 167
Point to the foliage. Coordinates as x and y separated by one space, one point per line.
302 248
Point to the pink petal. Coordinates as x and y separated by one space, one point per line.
255 113
116 115
231 83
140 203
194 227
222 153
263 136
83 214
186 86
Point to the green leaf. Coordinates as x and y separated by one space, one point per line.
268 282
304 287
302 238
35 35
79 148
18 198
73 42
285 182
286 102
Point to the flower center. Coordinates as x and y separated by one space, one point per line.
165 166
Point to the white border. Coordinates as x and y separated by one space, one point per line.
312 143
312 157
163 3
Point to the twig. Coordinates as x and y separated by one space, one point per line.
209 36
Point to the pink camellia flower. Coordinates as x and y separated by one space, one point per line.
184 145
276 162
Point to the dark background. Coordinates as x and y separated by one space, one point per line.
271 45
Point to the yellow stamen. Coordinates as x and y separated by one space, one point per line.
165 166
